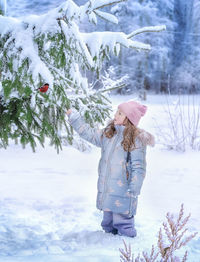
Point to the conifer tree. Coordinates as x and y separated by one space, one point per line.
50 49
2 7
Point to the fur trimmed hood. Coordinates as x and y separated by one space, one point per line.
146 138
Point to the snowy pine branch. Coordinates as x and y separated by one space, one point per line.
51 49
92 11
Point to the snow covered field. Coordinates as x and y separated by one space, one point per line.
48 201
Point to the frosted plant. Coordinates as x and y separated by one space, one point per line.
173 239
51 49
181 127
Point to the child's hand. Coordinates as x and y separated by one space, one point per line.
69 111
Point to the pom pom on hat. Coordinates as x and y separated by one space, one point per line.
133 110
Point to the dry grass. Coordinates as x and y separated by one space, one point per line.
182 128
168 243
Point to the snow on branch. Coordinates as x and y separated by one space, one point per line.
97 4
74 32
21 41
110 41
139 46
91 9
8 24
147 29
106 16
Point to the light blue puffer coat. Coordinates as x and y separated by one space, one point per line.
115 192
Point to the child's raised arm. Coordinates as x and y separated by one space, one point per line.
92 135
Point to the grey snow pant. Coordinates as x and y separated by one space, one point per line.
118 224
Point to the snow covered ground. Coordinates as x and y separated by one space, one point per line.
48 201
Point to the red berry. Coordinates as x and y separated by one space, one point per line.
44 88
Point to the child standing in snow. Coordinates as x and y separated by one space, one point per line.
122 165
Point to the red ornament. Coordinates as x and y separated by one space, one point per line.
44 88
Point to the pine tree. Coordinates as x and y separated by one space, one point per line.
2 7
51 49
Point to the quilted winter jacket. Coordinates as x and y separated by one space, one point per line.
116 193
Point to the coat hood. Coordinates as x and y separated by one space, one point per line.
146 138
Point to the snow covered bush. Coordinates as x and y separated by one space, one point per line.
173 239
51 49
182 128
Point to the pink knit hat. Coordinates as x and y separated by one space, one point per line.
133 110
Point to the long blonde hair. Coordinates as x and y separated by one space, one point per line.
129 134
